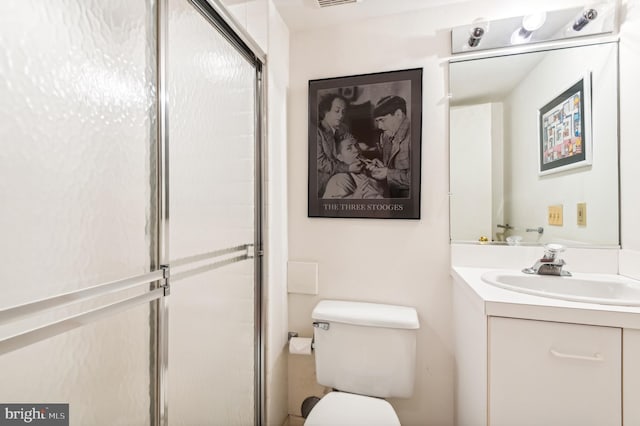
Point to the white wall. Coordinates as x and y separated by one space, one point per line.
392 261
276 292
629 113
402 262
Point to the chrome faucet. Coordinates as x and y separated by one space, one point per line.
539 230
550 264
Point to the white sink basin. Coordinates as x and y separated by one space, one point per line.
590 288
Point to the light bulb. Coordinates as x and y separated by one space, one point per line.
534 21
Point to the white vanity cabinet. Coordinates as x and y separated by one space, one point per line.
550 373
523 360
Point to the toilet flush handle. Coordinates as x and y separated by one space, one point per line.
322 325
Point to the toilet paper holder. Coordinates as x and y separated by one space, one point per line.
292 334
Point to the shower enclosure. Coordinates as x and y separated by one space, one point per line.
131 220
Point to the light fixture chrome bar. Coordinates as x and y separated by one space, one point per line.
32 308
537 47
43 332
201 269
209 255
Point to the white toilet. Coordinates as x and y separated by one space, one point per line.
365 352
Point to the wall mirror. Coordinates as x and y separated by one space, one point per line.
534 147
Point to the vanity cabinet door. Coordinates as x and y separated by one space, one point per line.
548 373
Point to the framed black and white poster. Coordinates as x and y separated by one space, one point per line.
364 145
564 125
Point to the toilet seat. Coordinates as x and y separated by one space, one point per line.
341 408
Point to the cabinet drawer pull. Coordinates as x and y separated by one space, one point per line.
595 357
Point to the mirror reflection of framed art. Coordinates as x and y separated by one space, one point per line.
564 129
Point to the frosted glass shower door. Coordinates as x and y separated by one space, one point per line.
212 134
77 130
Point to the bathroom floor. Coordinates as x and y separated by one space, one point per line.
294 421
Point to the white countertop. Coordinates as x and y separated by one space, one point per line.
495 301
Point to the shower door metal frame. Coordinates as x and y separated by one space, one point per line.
216 14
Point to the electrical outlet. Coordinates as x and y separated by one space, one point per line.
554 215
582 214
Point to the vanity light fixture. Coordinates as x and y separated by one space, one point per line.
536 26
586 17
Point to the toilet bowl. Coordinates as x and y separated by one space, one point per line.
342 408
364 352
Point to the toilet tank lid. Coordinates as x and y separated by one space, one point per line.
366 314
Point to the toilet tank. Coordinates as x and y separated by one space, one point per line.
365 348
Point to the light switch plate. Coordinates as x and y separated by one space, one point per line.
302 277
554 215
582 214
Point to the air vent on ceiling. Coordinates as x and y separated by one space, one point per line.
328 3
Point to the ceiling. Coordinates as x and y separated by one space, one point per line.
306 14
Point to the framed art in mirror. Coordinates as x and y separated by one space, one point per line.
364 141
564 126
